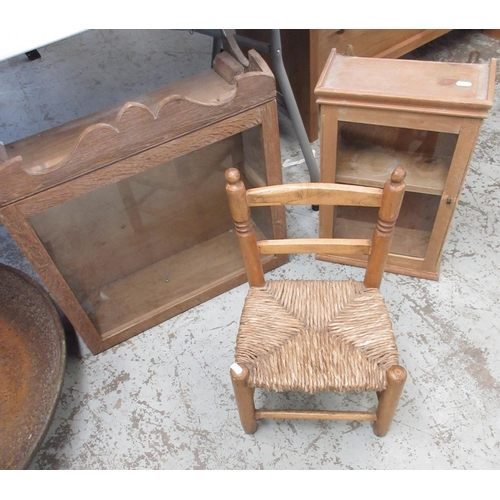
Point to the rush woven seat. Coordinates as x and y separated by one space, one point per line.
311 336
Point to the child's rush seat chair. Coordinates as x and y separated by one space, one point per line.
310 336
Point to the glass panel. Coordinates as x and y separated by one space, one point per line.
413 227
255 176
130 248
367 154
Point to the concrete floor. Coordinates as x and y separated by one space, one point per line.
163 400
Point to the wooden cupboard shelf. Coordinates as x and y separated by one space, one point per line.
420 115
409 242
169 286
123 214
373 166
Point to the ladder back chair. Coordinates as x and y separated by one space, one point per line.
315 335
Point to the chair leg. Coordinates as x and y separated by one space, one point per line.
388 399
244 398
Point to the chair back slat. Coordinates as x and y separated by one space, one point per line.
315 194
315 245
388 200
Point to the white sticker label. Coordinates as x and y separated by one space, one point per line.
236 368
463 83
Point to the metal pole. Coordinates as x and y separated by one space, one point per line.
291 105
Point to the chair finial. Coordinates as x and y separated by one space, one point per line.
398 175
232 175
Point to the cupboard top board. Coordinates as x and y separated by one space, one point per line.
460 89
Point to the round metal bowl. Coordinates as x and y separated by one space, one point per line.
32 363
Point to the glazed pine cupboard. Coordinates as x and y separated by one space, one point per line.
377 114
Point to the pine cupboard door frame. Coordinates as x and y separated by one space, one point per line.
466 130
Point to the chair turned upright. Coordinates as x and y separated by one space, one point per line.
316 335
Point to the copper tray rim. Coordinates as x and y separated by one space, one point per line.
23 461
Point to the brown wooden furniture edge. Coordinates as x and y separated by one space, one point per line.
415 273
97 145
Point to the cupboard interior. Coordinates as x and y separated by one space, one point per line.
150 241
413 227
367 154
